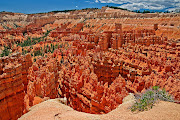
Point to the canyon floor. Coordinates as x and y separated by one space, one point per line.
52 109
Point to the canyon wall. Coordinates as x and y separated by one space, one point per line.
13 85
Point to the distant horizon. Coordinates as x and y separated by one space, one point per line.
45 6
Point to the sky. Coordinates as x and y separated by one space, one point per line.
37 6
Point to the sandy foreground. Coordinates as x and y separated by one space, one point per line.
54 110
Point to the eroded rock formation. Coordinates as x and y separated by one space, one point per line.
13 85
43 77
92 63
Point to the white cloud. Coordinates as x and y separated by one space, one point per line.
174 9
138 6
96 1
145 4
89 2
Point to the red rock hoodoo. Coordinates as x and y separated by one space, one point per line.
43 77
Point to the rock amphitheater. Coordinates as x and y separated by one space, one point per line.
92 58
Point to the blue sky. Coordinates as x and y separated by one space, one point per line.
36 6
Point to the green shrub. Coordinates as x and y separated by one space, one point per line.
38 53
16 26
34 59
56 46
47 33
146 100
62 60
33 41
24 52
6 51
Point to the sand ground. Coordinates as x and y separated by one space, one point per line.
54 110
